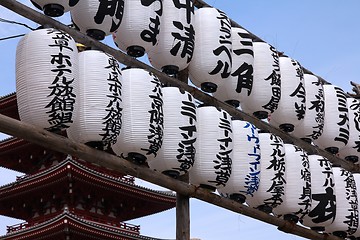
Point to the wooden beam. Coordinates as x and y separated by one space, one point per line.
129 61
61 144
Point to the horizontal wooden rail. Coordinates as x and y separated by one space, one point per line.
61 144
129 61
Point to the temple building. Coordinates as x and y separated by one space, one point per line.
63 197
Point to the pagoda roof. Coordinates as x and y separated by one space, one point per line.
8 106
14 150
69 225
56 179
22 156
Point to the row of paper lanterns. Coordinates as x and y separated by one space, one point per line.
130 112
224 60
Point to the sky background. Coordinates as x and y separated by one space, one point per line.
321 35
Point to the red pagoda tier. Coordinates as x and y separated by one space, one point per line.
62 197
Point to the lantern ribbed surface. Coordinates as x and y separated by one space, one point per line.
245 175
336 120
97 116
312 125
266 87
176 39
139 29
323 197
177 153
272 176
292 104
54 8
240 81
210 66
351 151
46 76
297 198
357 181
346 219
97 18
142 119
214 146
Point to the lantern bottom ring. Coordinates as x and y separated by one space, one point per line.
96 144
352 158
53 10
332 150
238 197
96 34
340 234
308 140
135 51
287 127
170 70
134 157
291 218
318 229
208 87
265 208
234 103
172 173
208 187
261 114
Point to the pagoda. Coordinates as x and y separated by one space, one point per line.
63 197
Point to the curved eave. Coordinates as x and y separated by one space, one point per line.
8 106
147 201
56 228
87 174
22 156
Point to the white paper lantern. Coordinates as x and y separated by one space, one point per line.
214 147
351 151
312 125
177 154
97 18
245 176
266 87
142 119
210 66
176 39
54 8
272 177
240 81
98 109
297 198
346 218
323 198
336 121
46 76
357 181
139 29
292 104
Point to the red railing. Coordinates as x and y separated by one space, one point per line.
126 227
17 227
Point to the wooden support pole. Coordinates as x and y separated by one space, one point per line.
183 201
61 144
183 213
127 60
